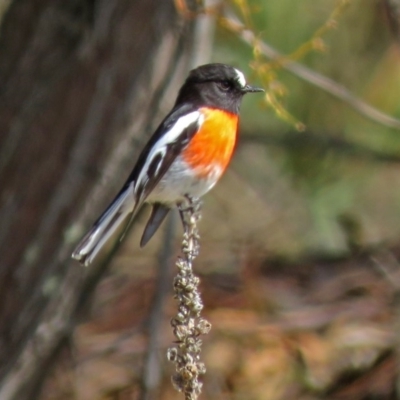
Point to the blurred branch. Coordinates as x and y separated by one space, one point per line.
152 369
312 77
204 35
392 8
293 139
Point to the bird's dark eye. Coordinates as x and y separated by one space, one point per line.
225 85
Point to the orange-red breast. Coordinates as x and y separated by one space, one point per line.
186 155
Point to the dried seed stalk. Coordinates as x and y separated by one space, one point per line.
187 324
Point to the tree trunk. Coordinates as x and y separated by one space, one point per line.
82 84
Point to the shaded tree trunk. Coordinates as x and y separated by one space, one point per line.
82 84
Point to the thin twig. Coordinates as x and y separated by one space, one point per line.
322 141
310 76
187 324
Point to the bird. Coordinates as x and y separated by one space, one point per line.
186 155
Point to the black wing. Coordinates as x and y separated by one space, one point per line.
170 138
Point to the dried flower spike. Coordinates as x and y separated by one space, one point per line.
187 324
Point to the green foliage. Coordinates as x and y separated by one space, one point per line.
351 44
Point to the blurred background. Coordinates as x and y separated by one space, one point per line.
299 240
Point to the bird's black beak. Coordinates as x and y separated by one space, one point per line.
252 89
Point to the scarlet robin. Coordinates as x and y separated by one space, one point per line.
185 156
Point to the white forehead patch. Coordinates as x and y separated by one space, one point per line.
240 78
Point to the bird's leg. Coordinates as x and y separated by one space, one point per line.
190 213
189 209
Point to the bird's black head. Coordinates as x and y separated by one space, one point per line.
215 85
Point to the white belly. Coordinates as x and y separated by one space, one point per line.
179 181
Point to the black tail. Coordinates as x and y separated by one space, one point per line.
157 216
104 227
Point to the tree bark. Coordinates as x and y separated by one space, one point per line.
83 83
